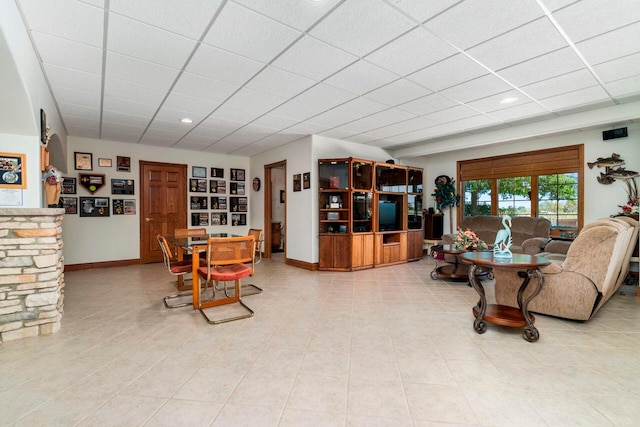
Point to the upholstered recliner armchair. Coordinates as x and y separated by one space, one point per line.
595 266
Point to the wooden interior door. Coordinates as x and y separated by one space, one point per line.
163 189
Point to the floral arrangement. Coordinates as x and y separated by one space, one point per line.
633 201
445 193
468 240
631 208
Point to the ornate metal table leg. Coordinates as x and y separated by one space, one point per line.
479 324
530 332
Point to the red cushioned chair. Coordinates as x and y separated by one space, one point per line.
228 259
176 268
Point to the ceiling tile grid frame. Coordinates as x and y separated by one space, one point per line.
336 67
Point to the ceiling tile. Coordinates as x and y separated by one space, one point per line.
279 82
140 72
411 52
324 96
245 32
68 54
148 43
174 116
64 77
127 106
255 100
530 40
274 121
188 104
126 90
196 86
612 45
225 126
296 110
520 112
625 89
79 111
77 97
577 98
557 85
360 33
377 120
452 114
297 14
482 20
178 17
242 115
427 104
398 92
67 19
619 68
348 112
421 10
477 88
449 72
493 102
361 77
120 135
127 119
218 64
554 64
130 129
313 59
588 18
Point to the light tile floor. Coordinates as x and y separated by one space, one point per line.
381 347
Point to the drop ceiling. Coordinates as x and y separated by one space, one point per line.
256 74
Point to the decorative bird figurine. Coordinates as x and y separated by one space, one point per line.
503 240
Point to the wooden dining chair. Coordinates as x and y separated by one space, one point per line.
227 259
175 268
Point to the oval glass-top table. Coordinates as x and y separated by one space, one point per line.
529 267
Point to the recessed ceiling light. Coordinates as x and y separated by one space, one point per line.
186 120
508 100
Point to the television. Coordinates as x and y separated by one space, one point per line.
387 215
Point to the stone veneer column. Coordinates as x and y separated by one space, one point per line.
31 272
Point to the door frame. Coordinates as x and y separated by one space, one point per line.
268 197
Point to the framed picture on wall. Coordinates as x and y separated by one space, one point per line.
94 206
306 180
68 185
104 162
11 170
217 173
83 161
297 182
123 163
198 172
70 205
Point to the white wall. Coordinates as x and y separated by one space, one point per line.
600 200
117 237
24 93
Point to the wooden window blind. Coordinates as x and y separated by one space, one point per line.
531 163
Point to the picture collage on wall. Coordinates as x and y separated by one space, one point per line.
94 183
216 184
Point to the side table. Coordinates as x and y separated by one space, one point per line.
501 314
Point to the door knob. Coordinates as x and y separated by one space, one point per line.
148 219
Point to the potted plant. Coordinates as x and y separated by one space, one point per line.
445 195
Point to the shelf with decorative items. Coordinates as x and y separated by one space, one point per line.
363 213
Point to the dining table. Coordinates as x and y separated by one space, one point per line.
193 245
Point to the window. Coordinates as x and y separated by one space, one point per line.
558 200
545 183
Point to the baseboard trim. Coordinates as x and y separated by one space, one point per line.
105 264
312 266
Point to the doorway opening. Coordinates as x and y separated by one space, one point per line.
275 209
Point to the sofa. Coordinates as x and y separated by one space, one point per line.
529 234
595 265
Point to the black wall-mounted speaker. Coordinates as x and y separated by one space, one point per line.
614 133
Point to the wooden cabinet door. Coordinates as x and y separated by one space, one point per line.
414 245
362 251
334 253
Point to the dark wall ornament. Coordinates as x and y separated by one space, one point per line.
445 193
256 184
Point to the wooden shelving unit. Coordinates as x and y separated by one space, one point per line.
370 214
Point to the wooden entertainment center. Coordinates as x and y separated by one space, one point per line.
370 214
